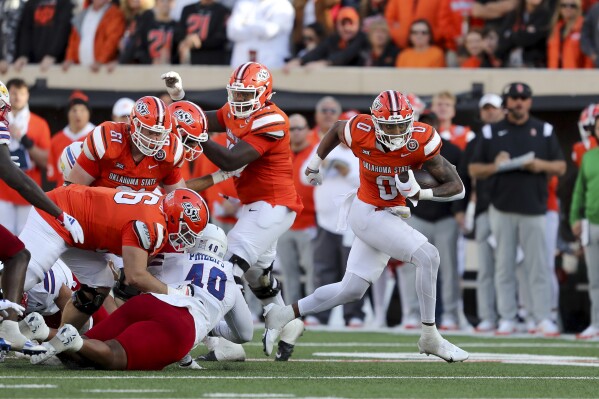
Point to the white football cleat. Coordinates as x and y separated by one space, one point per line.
276 318
9 330
33 326
589 333
67 339
434 344
50 351
222 350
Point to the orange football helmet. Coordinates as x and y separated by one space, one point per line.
150 125
586 122
249 89
189 122
186 217
393 119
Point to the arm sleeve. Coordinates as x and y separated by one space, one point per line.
95 147
319 53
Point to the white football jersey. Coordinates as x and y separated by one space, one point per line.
215 291
4 134
41 297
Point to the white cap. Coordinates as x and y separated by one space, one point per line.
123 107
490 99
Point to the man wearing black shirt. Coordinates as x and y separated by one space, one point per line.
518 154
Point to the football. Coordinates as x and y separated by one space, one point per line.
425 179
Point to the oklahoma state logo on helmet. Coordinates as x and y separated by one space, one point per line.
191 212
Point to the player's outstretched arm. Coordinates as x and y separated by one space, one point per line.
330 140
230 160
22 183
451 187
135 264
200 184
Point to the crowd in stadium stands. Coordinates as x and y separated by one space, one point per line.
309 33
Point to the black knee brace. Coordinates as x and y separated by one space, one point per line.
86 304
269 285
239 261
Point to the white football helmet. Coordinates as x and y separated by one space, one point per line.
213 241
68 158
4 102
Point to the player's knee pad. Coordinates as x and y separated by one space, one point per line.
426 255
88 299
262 283
239 261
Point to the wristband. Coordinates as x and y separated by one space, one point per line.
315 162
426 194
218 176
27 142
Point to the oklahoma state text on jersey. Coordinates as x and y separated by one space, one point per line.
107 157
270 177
110 218
378 168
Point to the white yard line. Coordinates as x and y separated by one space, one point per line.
346 377
127 390
27 386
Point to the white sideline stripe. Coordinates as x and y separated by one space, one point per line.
126 390
348 377
248 395
510 358
27 386
463 345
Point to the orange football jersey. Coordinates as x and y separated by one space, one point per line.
378 166
110 218
579 149
270 177
107 157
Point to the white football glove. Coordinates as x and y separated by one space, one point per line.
174 85
408 189
401 211
5 304
72 226
314 176
14 160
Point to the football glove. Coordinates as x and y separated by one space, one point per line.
408 189
314 176
174 85
5 305
72 226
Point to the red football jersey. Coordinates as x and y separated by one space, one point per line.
110 218
270 177
107 157
378 166
579 149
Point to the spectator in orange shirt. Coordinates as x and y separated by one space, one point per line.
401 14
453 24
563 45
29 141
77 129
443 105
422 53
295 245
95 35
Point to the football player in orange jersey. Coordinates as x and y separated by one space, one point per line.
12 252
586 125
135 156
258 139
134 225
387 142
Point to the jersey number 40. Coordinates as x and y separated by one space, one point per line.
214 280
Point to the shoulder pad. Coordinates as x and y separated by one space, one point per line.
143 234
270 122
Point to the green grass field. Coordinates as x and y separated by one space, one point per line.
330 365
